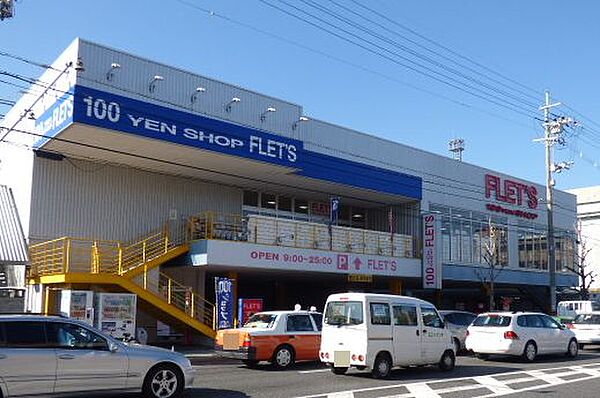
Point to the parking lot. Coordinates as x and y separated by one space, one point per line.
471 378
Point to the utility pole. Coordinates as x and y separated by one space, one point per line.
553 129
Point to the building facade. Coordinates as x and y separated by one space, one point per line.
122 147
588 214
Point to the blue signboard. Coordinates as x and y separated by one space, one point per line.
56 118
224 299
115 112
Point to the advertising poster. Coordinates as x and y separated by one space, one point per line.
224 299
117 313
247 308
432 260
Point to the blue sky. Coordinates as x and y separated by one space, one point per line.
540 44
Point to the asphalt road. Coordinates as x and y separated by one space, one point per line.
552 376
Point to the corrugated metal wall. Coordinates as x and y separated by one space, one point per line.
93 200
133 78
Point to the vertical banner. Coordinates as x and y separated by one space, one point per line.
432 244
224 300
247 308
334 211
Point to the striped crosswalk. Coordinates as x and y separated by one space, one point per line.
493 385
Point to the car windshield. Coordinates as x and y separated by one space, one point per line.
492 320
587 319
264 321
344 313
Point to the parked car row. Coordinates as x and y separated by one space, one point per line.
378 332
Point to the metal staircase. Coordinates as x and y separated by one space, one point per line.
131 266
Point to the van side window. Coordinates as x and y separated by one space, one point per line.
431 318
405 315
2 338
380 314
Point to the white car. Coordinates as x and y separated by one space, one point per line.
524 334
377 332
586 328
55 356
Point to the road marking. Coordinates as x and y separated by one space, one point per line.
548 378
313 371
422 390
496 387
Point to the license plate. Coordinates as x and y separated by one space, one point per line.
230 342
341 359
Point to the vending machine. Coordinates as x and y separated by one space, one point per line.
78 304
115 314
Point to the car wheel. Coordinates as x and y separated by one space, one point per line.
283 357
530 351
163 381
484 357
339 371
447 361
249 363
382 367
456 345
572 349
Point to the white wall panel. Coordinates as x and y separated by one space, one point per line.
85 199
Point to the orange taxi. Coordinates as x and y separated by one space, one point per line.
279 337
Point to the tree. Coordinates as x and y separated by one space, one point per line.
581 266
493 265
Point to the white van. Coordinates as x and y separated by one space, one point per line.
380 331
567 310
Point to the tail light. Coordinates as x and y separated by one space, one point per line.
361 358
468 333
570 326
354 357
327 355
510 335
247 341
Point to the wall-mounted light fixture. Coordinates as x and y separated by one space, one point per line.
194 96
79 65
234 100
263 115
111 72
152 84
300 120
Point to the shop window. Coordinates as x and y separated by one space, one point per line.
300 206
268 201
345 213
446 239
251 198
284 203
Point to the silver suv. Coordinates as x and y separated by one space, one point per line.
45 355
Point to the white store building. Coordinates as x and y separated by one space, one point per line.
136 176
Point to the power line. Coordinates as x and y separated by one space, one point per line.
409 50
452 82
449 50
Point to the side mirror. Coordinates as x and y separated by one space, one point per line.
112 347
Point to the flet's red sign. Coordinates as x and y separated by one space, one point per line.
511 192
